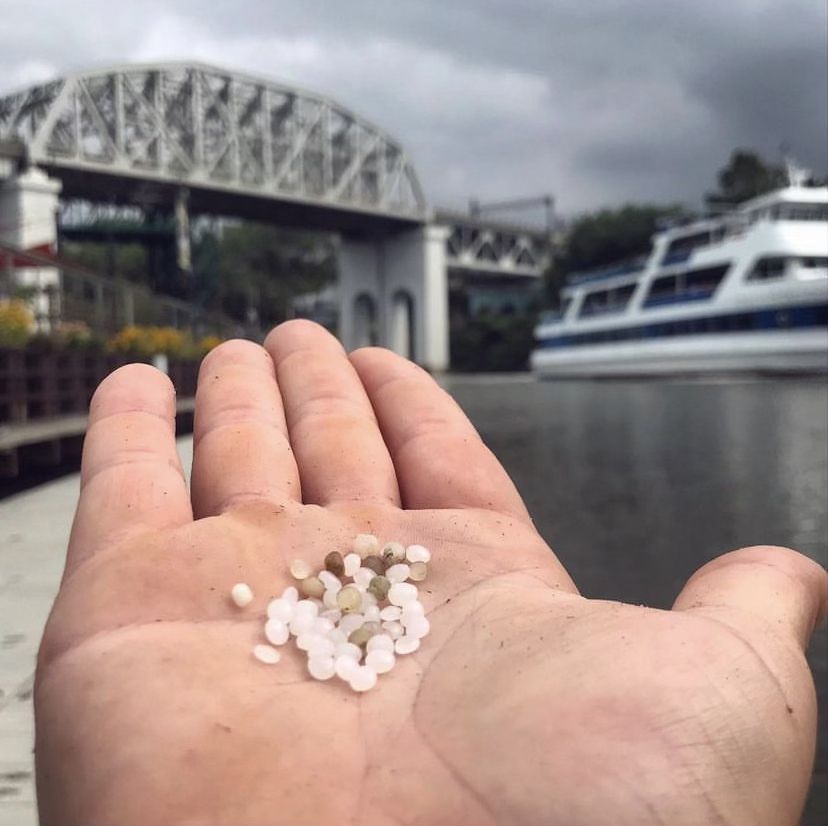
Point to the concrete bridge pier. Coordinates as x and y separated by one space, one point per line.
393 292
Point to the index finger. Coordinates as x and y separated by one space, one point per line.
131 476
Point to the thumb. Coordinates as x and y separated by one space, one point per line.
777 586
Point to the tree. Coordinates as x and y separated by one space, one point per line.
745 176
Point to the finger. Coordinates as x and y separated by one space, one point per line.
241 450
333 429
131 477
440 459
771 585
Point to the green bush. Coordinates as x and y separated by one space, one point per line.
491 343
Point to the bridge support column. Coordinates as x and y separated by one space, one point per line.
28 221
394 292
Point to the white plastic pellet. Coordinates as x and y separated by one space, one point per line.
331 581
393 552
416 627
365 544
306 639
333 614
320 606
348 649
381 660
241 594
391 612
290 594
371 613
397 573
345 667
336 636
353 562
363 577
329 599
280 609
413 607
368 600
301 624
417 553
321 667
350 622
307 607
276 631
266 654
393 629
401 593
406 644
322 625
299 569
380 641
363 678
321 647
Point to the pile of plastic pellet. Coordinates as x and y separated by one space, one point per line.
356 616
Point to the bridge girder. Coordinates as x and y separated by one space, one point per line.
225 135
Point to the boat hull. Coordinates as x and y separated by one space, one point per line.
789 351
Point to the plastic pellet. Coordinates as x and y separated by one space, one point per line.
374 563
329 600
371 613
349 599
380 641
381 660
363 577
322 626
312 587
306 606
320 647
406 644
280 609
417 627
392 553
393 629
348 649
365 543
417 553
335 563
301 624
379 586
266 654
337 636
276 631
331 582
345 667
368 600
333 614
415 607
397 573
391 612
401 593
299 569
290 594
353 562
363 678
321 668
241 594
350 622
364 633
417 571
306 639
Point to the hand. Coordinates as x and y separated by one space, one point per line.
527 704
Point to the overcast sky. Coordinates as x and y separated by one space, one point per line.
596 101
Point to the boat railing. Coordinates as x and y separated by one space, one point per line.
627 268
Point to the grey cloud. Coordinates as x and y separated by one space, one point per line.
600 102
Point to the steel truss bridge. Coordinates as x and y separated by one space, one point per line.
239 144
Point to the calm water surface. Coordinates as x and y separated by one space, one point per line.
637 484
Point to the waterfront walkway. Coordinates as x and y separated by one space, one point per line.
34 529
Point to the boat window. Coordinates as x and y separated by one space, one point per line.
693 285
680 248
613 300
814 263
768 268
802 212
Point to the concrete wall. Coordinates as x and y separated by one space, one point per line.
412 264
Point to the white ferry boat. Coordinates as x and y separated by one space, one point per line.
746 291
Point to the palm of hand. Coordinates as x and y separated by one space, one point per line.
526 704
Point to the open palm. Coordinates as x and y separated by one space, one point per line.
527 704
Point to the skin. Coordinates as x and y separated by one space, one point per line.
527 704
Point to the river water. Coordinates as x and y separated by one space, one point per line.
635 484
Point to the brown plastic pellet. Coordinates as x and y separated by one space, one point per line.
379 586
375 563
312 587
364 633
335 563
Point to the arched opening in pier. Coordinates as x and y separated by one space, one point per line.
402 324
365 321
